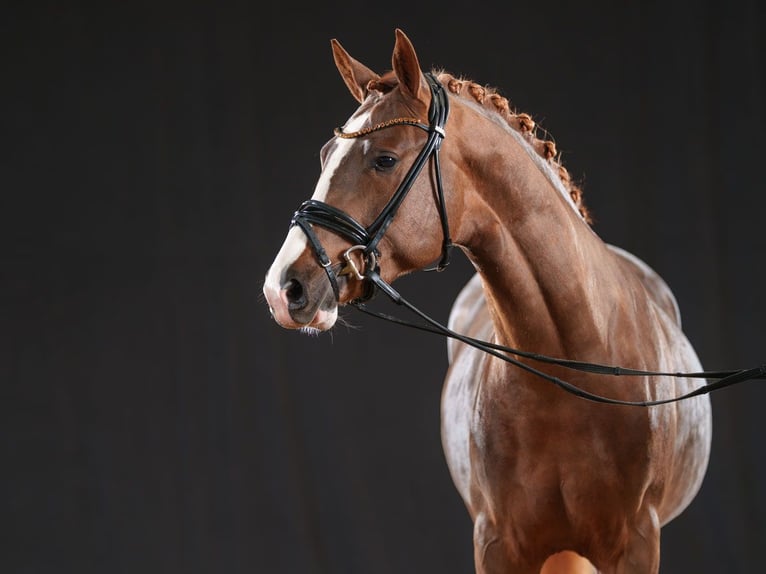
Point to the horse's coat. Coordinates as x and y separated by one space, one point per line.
549 479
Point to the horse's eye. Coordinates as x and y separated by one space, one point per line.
384 162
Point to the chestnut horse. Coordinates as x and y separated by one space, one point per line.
552 482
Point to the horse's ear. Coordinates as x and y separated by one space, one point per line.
406 65
354 74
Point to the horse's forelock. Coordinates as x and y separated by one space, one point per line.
383 84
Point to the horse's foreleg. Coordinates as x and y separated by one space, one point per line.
492 554
642 552
488 551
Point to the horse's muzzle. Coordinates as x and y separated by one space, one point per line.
298 304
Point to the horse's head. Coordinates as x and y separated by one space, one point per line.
373 210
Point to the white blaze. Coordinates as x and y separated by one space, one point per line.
295 242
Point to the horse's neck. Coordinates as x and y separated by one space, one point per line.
544 294
546 274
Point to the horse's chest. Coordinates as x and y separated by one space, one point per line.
456 409
462 403
503 438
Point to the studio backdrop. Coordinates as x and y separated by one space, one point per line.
156 419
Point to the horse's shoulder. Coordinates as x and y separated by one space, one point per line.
654 284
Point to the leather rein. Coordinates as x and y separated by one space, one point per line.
366 240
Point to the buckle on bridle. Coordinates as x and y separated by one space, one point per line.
369 260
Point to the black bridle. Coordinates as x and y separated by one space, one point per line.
366 240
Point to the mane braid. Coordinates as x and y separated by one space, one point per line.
523 123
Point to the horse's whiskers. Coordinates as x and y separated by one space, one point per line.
311 331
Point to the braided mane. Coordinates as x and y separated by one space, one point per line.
488 98
523 123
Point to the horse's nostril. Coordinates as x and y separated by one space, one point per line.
296 296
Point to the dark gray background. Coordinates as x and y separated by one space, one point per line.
155 419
